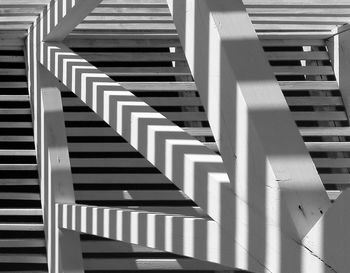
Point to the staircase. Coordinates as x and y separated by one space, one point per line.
294 38
22 242
304 72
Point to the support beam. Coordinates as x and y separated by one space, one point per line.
339 51
329 238
64 15
56 185
246 108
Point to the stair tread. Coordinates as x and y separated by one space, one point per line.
20 211
308 85
19 181
22 226
22 242
324 131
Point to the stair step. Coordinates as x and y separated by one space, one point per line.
19 243
16 138
20 212
292 43
18 167
315 101
16 125
12 72
19 196
132 57
324 131
328 146
320 116
11 59
145 71
14 97
303 70
308 85
332 162
17 153
13 111
21 227
294 56
19 182
13 85
335 178
23 258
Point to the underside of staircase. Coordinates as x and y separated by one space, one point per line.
136 44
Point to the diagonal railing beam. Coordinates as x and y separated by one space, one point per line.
184 235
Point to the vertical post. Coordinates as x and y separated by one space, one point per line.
339 52
57 183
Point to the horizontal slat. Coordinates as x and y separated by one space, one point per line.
112 10
99 147
145 71
23 258
295 42
19 196
16 125
11 111
16 138
329 115
325 131
120 178
110 162
18 182
302 70
17 153
328 146
12 72
19 243
20 212
13 84
11 59
121 43
132 57
292 56
332 162
335 178
22 226
314 101
130 195
148 26
308 85
14 97
18 167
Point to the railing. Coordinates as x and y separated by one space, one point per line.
63 247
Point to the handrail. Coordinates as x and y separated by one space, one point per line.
56 184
